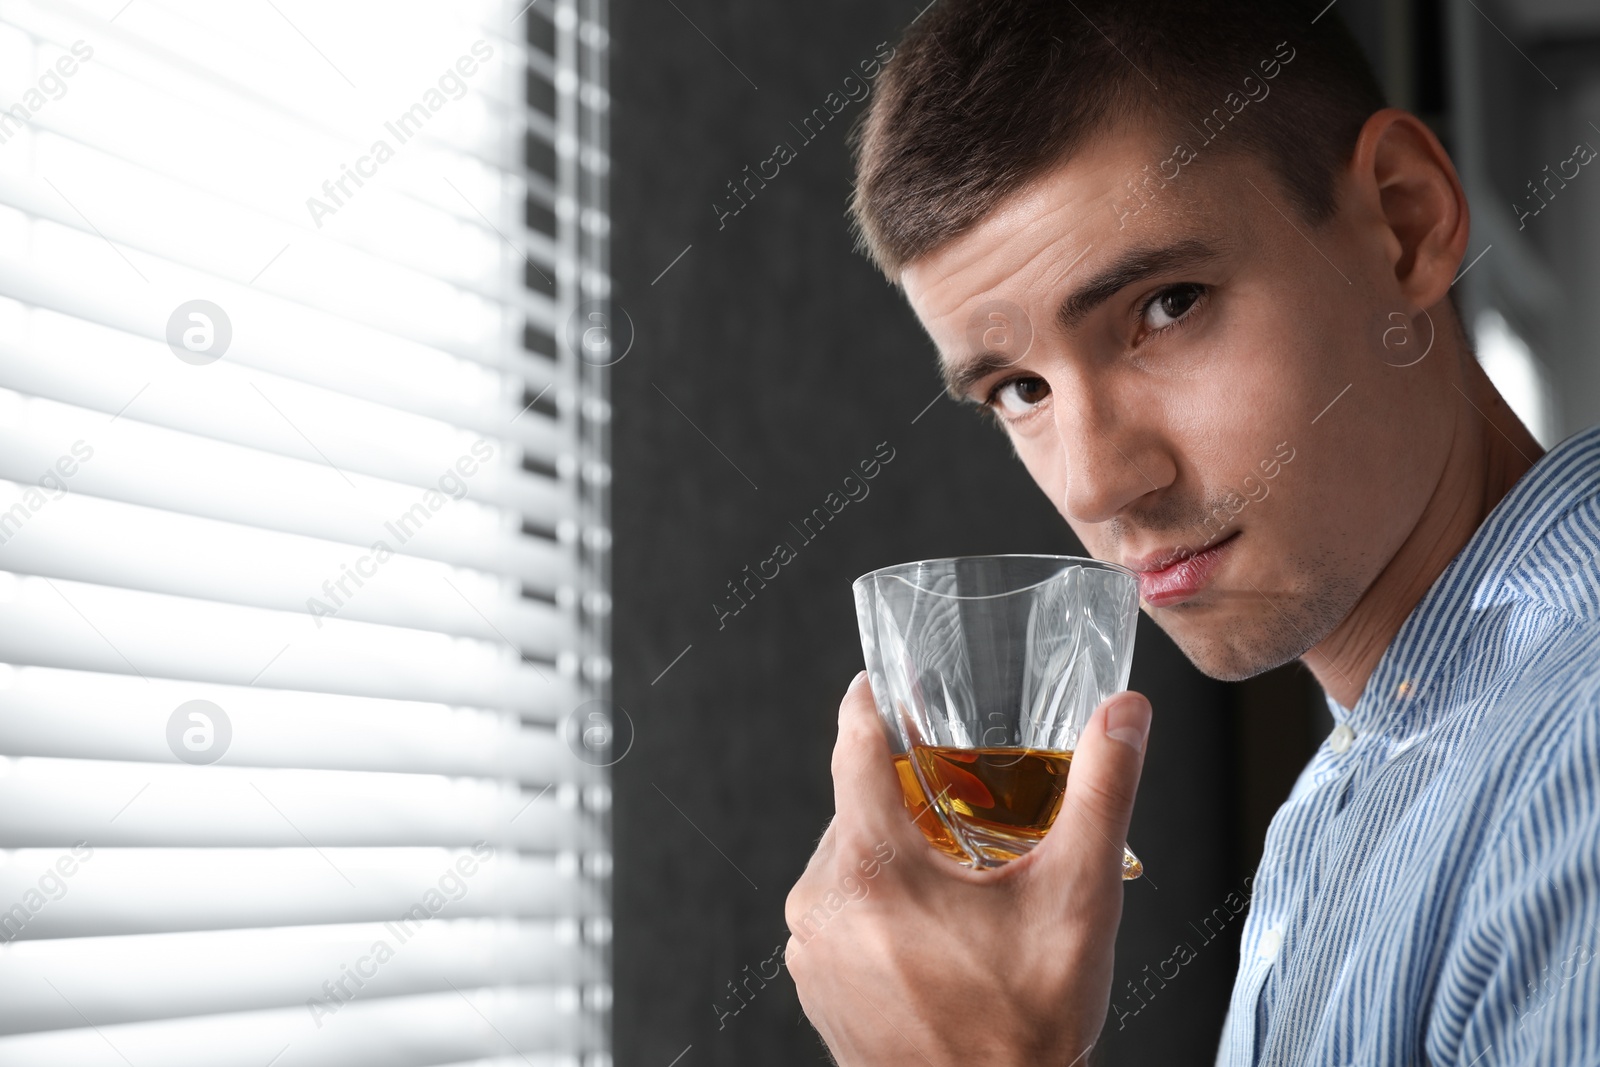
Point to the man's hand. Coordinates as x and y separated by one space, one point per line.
939 965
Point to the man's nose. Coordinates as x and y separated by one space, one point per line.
1108 459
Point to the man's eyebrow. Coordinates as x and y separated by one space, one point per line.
962 376
1131 266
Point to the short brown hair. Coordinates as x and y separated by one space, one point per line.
983 96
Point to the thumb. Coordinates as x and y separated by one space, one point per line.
1101 784
866 787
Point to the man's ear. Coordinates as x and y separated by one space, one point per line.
1406 184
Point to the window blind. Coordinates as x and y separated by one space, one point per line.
304 685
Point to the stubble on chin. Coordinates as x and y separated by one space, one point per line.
1238 633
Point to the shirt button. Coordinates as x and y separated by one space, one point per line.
1341 738
1270 944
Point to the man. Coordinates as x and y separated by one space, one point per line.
1201 276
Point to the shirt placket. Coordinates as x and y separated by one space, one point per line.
1272 948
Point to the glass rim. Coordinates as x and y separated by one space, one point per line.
1078 561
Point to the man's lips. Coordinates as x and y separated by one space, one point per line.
1168 577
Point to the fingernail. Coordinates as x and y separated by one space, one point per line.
855 684
1128 721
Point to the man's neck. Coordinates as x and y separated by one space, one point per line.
1491 451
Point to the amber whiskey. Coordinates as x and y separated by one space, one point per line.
1003 799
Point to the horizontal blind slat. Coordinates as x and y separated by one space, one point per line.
67 265
104 542
139 977
113 373
129 461
53 803
60 623
83 715
416 1031
322 264
395 308
150 890
248 64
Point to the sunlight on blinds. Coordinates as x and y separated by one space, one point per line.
303 574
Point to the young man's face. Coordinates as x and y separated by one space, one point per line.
1200 373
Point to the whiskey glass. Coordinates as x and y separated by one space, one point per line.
985 670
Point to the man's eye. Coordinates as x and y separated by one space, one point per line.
1019 395
1171 304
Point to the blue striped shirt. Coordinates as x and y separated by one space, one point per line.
1430 891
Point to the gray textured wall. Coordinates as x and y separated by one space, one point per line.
796 361
788 361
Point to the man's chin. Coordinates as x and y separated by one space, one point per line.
1227 648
